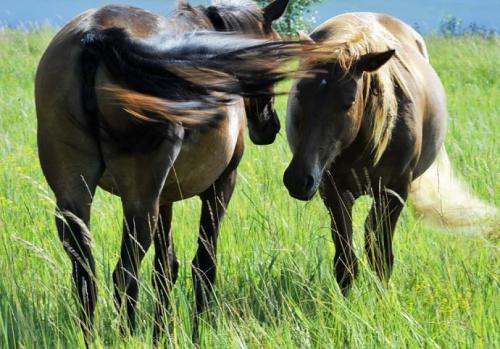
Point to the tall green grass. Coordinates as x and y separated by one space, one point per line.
275 286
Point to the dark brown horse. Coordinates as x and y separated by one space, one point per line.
120 95
372 121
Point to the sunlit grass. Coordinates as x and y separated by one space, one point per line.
275 287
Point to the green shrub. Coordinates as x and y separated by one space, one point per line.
299 16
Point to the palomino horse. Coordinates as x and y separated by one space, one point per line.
119 94
371 121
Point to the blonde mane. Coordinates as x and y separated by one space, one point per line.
344 39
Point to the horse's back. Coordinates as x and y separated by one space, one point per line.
429 97
405 33
399 29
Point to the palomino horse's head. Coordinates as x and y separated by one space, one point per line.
246 17
324 116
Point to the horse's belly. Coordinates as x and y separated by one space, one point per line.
201 161
203 158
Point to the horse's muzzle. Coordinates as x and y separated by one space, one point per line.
301 186
265 132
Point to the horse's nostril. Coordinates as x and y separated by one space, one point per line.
309 183
299 185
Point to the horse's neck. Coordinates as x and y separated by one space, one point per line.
366 125
363 142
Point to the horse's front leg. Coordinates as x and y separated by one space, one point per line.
380 226
339 204
214 203
139 177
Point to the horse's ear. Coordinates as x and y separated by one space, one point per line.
373 61
274 10
213 14
305 37
306 41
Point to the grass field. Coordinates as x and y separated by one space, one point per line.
275 286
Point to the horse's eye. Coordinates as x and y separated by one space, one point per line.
348 105
323 83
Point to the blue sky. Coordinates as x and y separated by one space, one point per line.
426 13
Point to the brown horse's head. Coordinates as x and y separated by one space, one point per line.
325 113
245 16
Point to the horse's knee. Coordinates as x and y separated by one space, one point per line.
166 270
204 265
72 225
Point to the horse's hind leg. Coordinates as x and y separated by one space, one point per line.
380 226
138 228
139 178
72 167
345 263
166 268
214 204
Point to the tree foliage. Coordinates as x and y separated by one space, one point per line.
299 16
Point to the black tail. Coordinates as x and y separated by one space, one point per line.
189 79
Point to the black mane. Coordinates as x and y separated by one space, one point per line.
190 77
174 66
246 18
137 65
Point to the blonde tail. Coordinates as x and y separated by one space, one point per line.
443 198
